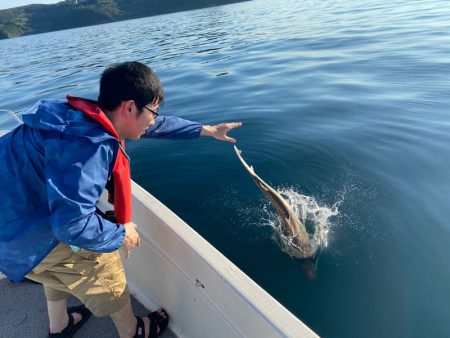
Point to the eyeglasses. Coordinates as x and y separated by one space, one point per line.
155 114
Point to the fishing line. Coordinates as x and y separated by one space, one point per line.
14 116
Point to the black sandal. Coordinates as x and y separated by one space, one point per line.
72 328
156 321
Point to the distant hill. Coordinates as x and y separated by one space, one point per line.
33 19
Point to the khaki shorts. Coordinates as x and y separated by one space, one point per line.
96 279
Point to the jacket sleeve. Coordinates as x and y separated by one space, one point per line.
172 127
76 171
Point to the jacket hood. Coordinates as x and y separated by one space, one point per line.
58 115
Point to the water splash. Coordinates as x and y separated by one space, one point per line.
315 217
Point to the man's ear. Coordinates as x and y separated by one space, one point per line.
126 107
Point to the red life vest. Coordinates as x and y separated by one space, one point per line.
121 196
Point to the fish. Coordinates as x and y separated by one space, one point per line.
301 245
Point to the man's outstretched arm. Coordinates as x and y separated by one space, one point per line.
172 127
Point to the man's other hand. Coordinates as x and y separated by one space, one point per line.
131 239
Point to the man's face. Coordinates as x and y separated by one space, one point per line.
140 121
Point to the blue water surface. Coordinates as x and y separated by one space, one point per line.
344 101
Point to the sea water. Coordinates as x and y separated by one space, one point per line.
345 110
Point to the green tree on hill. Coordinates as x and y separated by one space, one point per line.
66 14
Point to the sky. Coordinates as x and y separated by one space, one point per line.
16 3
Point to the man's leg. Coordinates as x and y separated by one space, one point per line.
58 317
126 323
57 310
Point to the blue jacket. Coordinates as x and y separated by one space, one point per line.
53 170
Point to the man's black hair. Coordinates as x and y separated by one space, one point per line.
129 81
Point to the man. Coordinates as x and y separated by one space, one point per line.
54 169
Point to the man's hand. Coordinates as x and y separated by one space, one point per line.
219 131
131 239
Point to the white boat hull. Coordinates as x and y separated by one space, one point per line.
205 294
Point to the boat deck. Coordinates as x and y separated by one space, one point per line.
24 313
